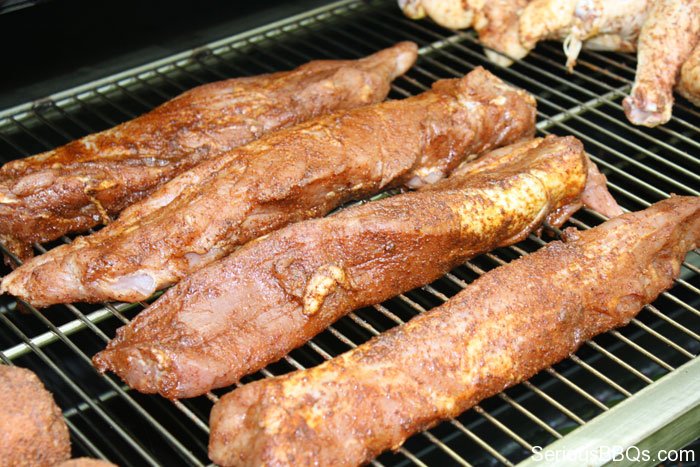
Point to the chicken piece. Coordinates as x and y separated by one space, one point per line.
497 24
621 19
453 14
84 183
667 38
204 334
689 82
510 29
284 177
412 8
32 429
544 20
556 20
502 329
607 43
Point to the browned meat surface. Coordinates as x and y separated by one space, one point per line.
666 40
500 330
32 430
284 177
85 462
251 308
689 81
84 183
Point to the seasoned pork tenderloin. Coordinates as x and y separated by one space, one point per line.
293 174
88 181
502 329
254 306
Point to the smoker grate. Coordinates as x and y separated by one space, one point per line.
108 420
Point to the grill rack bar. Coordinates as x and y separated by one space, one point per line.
442 46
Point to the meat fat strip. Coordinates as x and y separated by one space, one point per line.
503 328
284 177
666 41
251 308
86 182
85 462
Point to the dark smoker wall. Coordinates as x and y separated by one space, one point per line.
58 44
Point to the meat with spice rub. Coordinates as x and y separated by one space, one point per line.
506 326
290 175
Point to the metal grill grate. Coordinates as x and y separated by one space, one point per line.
643 165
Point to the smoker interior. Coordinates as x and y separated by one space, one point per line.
108 420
